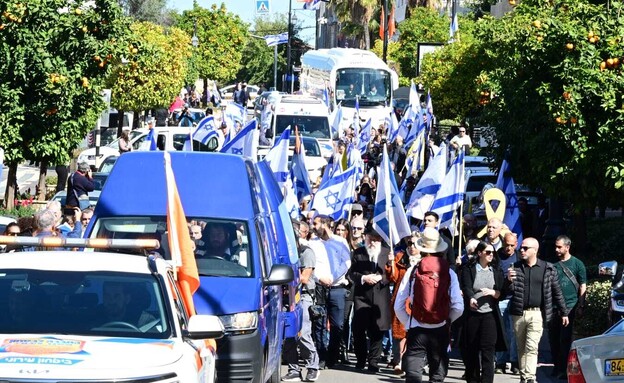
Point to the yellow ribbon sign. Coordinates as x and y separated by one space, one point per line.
490 196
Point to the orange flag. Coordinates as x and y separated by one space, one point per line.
180 243
391 23
382 24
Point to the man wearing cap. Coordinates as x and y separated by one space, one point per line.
222 133
427 340
371 299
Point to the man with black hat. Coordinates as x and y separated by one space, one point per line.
371 299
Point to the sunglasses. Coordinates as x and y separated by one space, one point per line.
13 234
340 229
488 252
410 243
357 228
525 248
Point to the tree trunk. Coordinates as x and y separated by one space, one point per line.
41 185
120 120
580 233
9 196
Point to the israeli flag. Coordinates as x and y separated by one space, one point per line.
393 127
365 136
404 126
354 158
335 197
290 199
234 112
429 110
417 127
326 97
451 194
389 219
312 4
277 158
273 40
414 99
512 215
356 117
299 175
150 141
203 132
430 182
245 143
330 169
336 119
414 155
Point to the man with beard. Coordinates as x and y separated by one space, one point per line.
218 243
371 299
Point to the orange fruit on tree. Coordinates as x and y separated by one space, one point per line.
573 120
570 46
567 95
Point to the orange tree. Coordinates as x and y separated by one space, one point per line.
555 73
155 66
222 37
55 55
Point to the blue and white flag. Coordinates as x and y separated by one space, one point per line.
150 141
354 158
299 173
335 197
273 40
417 126
512 214
429 110
203 132
336 119
454 27
393 127
365 136
430 182
245 143
389 219
451 194
414 99
330 169
326 97
312 4
356 117
277 158
234 112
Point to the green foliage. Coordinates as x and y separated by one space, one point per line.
602 234
222 37
595 318
154 11
558 103
157 65
49 80
19 211
424 25
451 73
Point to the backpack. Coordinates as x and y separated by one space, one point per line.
431 303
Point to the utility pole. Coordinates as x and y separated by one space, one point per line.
288 53
385 31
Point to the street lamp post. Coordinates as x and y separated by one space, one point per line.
194 39
288 59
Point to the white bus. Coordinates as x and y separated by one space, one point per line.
350 73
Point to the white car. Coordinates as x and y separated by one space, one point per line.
73 316
598 358
314 160
227 93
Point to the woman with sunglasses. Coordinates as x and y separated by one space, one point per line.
482 283
12 229
395 270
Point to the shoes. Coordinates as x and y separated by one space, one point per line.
398 370
312 375
530 381
343 358
321 364
360 366
499 370
373 369
292 376
514 368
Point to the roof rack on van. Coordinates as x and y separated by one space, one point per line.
299 99
94 243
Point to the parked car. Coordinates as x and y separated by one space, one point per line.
272 97
598 358
227 93
314 160
107 164
196 115
476 179
110 316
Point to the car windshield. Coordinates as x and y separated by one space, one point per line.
99 179
371 86
131 134
108 163
616 328
311 147
476 183
310 126
221 246
92 303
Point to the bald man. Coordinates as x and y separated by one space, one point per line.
535 290
493 235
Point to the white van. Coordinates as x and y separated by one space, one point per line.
167 138
309 114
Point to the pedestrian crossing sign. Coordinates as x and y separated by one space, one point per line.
262 7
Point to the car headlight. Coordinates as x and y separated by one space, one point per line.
240 322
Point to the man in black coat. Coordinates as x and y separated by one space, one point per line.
371 299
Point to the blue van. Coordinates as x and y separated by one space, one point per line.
246 255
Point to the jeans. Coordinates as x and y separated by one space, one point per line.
335 313
432 344
511 355
305 343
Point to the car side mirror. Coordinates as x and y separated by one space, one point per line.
608 269
204 327
280 275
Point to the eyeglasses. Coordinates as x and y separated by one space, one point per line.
462 131
525 248
488 252
340 229
357 228
14 234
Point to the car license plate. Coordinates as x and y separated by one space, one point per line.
614 367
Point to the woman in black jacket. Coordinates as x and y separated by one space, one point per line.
482 282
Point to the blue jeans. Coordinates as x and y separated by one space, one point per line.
511 355
335 314
306 345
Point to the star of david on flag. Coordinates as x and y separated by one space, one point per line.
365 136
245 143
451 194
336 195
512 215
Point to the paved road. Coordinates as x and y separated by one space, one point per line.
348 374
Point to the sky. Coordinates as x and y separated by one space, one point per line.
246 9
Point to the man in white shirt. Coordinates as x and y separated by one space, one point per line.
333 260
462 140
427 340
